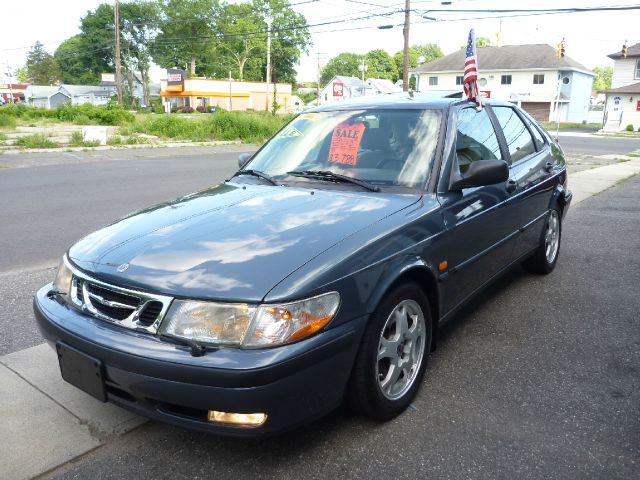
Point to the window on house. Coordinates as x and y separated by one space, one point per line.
433 80
637 76
505 80
538 79
459 79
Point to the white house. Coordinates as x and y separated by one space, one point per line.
622 105
530 75
341 88
45 96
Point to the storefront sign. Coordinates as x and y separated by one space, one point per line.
175 80
338 89
108 77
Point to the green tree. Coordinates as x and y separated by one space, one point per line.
290 39
186 37
77 64
381 65
21 74
139 22
419 54
42 68
347 64
483 42
603 78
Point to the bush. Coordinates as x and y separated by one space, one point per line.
630 128
82 120
7 121
639 129
187 109
110 114
114 140
201 109
37 140
158 109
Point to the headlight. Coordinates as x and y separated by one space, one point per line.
62 283
249 326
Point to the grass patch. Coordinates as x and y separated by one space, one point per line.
77 140
249 127
114 140
3 136
554 125
37 140
110 114
7 121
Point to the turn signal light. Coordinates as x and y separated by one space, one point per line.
237 419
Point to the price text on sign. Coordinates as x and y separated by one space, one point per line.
345 142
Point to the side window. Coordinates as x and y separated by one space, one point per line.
476 139
519 140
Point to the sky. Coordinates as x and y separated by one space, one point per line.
589 36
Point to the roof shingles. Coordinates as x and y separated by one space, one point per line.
508 57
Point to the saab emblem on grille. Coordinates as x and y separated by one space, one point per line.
123 267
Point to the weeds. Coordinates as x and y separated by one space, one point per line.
7 121
37 140
77 140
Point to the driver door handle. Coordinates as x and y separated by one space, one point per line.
511 185
548 166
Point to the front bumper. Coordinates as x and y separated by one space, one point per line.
292 384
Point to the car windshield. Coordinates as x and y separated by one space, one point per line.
381 147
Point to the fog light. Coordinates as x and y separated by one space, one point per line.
238 419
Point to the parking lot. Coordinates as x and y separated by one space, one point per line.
540 377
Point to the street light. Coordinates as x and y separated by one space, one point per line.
268 20
363 69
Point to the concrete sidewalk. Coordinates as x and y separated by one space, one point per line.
46 422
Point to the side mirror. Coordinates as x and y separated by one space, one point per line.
243 158
481 173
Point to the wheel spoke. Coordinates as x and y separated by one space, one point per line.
392 377
387 348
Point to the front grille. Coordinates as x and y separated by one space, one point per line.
124 307
150 313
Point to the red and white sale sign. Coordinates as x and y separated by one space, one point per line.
338 89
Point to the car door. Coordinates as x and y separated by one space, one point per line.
531 168
481 229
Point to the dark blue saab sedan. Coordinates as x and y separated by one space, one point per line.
320 271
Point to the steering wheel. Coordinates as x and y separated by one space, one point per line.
381 164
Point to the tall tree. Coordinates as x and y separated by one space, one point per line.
186 34
42 68
139 23
77 63
21 74
290 38
346 63
603 78
381 65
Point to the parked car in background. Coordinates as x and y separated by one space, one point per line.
321 270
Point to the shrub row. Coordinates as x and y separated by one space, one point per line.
110 114
248 127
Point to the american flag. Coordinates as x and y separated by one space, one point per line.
470 79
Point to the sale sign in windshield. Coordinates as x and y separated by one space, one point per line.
345 143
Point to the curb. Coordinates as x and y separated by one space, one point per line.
18 151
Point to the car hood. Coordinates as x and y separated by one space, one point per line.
231 242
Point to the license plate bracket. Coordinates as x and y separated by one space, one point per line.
82 371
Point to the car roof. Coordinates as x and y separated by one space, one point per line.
404 100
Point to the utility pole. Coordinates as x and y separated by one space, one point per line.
318 83
405 53
118 66
363 69
268 19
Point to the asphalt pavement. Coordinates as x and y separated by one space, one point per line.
538 378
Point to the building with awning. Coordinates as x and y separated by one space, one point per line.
178 90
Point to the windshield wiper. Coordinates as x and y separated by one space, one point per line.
257 173
329 175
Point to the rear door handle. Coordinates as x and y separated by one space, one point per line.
511 185
548 166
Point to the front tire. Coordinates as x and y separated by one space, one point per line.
393 355
544 260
